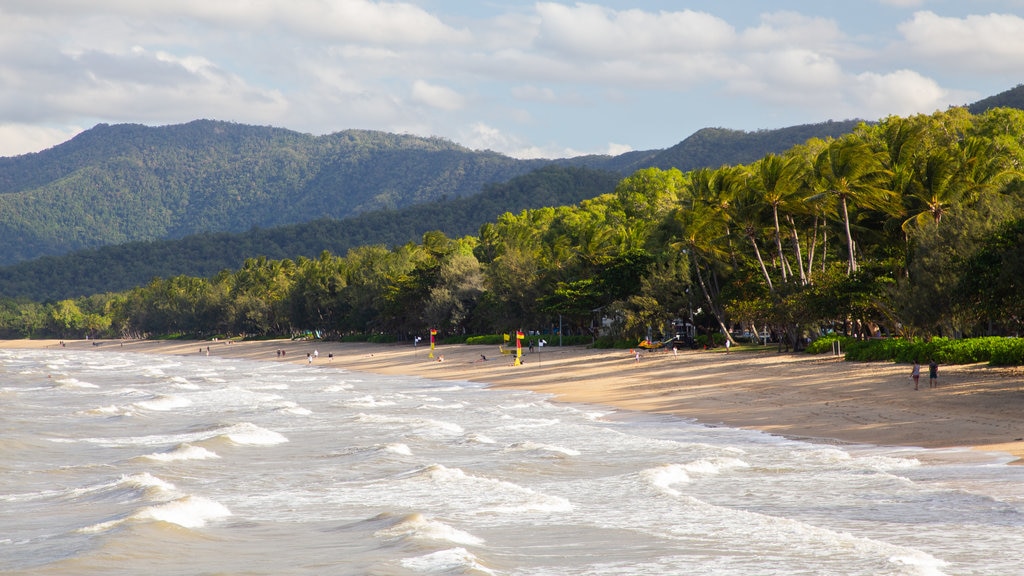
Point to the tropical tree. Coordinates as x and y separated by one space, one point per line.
850 171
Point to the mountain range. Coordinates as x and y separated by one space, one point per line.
199 197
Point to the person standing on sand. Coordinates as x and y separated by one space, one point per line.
915 373
933 373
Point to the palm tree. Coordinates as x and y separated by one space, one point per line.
701 229
853 173
746 211
935 191
774 180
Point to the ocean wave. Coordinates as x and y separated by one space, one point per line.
529 446
490 495
164 403
420 424
188 512
141 484
183 451
418 526
110 410
397 448
248 434
665 476
367 401
454 560
73 383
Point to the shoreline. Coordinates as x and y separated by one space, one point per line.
818 398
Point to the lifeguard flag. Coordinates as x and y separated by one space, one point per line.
519 336
433 332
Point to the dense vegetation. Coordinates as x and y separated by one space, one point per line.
911 226
131 183
124 266
116 184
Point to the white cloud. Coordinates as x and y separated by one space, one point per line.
593 31
992 42
534 94
16 139
903 92
435 96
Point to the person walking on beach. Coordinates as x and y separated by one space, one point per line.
933 373
915 373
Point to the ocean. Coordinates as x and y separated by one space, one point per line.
126 463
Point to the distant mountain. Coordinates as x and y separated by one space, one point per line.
257 190
715 147
124 266
115 184
125 183
1012 98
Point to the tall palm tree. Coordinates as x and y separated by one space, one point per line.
853 173
702 228
775 179
935 191
747 212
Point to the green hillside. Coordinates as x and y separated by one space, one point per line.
124 266
1012 98
115 184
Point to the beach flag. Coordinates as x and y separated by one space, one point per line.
433 332
519 348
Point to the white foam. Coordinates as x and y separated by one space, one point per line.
529 446
248 434
338 388
164 403
72 383
419 527
189 512
368 402
664 477
271 387
146 481
493 495
454 560
111 410
710 466
183 452
418 423
398 448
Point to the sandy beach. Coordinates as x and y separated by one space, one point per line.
793 395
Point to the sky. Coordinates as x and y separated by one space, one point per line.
545 79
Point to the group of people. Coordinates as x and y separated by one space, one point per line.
933 373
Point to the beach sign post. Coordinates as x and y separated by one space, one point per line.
433 332
519 348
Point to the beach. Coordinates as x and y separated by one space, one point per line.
818 398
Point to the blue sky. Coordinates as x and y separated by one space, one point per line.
543 79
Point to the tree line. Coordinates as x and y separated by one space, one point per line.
909 226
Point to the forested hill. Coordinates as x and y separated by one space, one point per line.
124 266
715 147
124 183
1012 98
115 184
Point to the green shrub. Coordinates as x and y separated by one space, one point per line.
996 350
825 343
